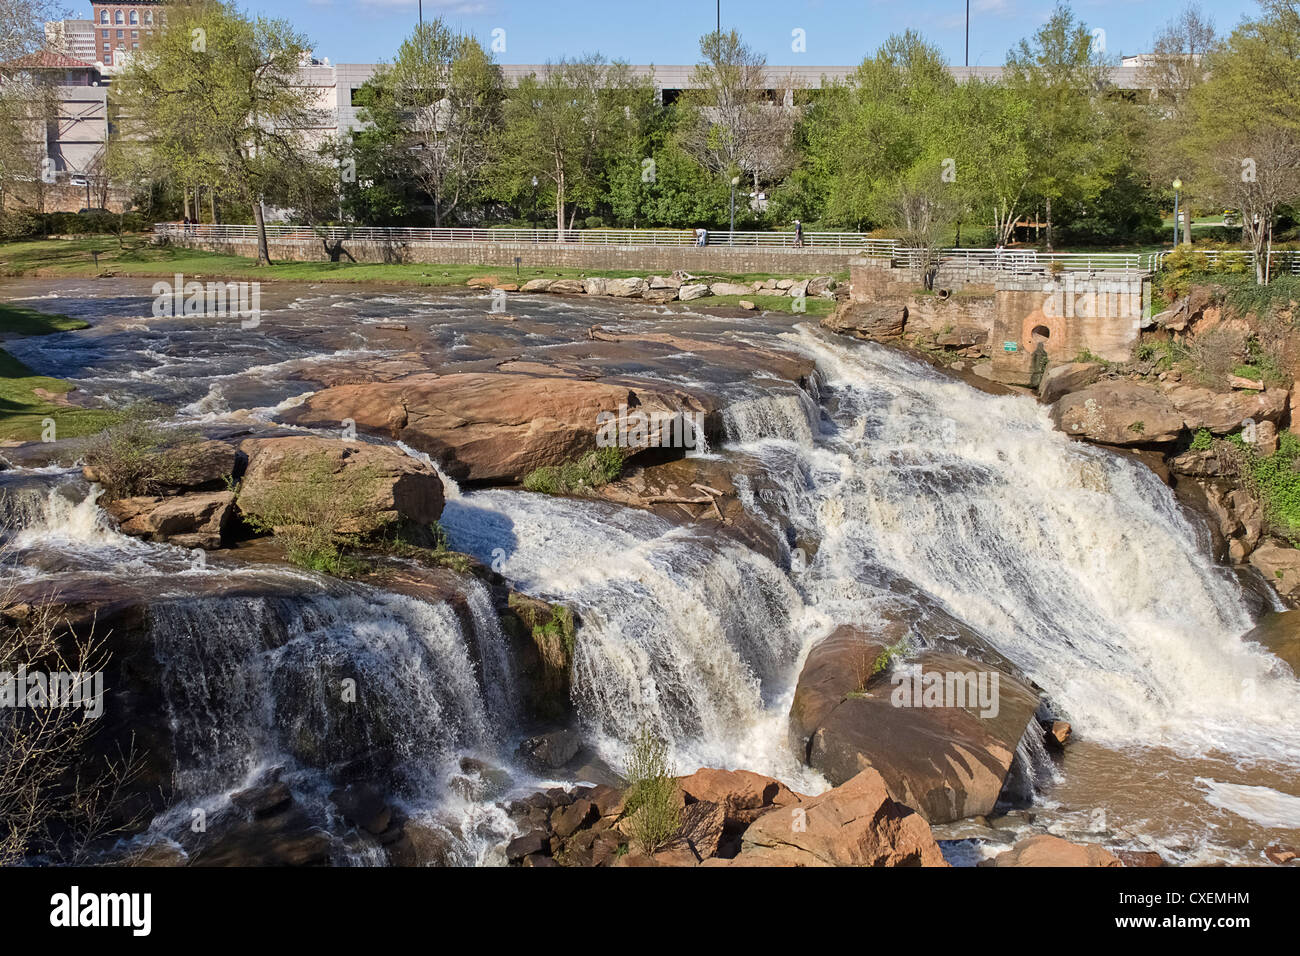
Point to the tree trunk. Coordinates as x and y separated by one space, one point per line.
263 249
212 204
1049 224
1187 225
559 208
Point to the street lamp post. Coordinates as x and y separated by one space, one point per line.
735 181
1178 188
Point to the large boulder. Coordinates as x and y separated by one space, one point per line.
398 487
692 291
625 288
868 320
494 426
1047 850
1279 632
855 824
729 288
595 285
1061 380
1119 413
947 757
743 795
188 521
1225 412
196 465
1281 568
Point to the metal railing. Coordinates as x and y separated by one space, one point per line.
583 237
1028 261
1280 260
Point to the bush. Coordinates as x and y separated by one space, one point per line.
140 455
592 470
653 815
306 509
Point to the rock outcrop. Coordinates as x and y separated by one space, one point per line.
495 426
198 520
947 762
396 486
868 320
1047 850
1119 413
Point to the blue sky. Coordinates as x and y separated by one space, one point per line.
667 31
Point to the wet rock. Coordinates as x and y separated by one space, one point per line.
1279 854
1047 850
530 844
552 750
265 797
1279 633
281 839
190 521
398 486
946 761
855 824
363 805
1140 858
574 817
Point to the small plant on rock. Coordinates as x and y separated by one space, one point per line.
653 814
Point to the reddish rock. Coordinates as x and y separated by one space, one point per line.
856 824
189 521
1047 850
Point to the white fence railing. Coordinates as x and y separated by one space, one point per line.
856 242
1281 261
1028 262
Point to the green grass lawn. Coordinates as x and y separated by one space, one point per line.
23 413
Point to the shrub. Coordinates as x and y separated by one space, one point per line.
306 509
653 815
592 470
140 455
1202 440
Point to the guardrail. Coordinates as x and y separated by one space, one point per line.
584 237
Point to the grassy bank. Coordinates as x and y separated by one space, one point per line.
72 258
24 410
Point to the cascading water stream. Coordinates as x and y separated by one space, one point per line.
1075 563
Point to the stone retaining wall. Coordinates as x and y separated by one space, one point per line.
501 255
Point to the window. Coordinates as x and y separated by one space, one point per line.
103 16
119 34
135 17
135 34
105 34
148 16
135 46
117 16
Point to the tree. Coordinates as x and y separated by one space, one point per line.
565 128
215 99
730 125
440 104
1245 123
1177 66
993 165
1063 75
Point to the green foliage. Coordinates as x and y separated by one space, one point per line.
307 507
140 455
890 654
19 320
1275 480
592 470
1202 440
652 811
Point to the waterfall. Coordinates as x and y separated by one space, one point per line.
1075 563
696 638
327 680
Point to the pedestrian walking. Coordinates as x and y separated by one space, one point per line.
798 234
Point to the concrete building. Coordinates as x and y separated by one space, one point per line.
74 38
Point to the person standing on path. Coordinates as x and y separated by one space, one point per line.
798 234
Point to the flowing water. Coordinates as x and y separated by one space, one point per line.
890 484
